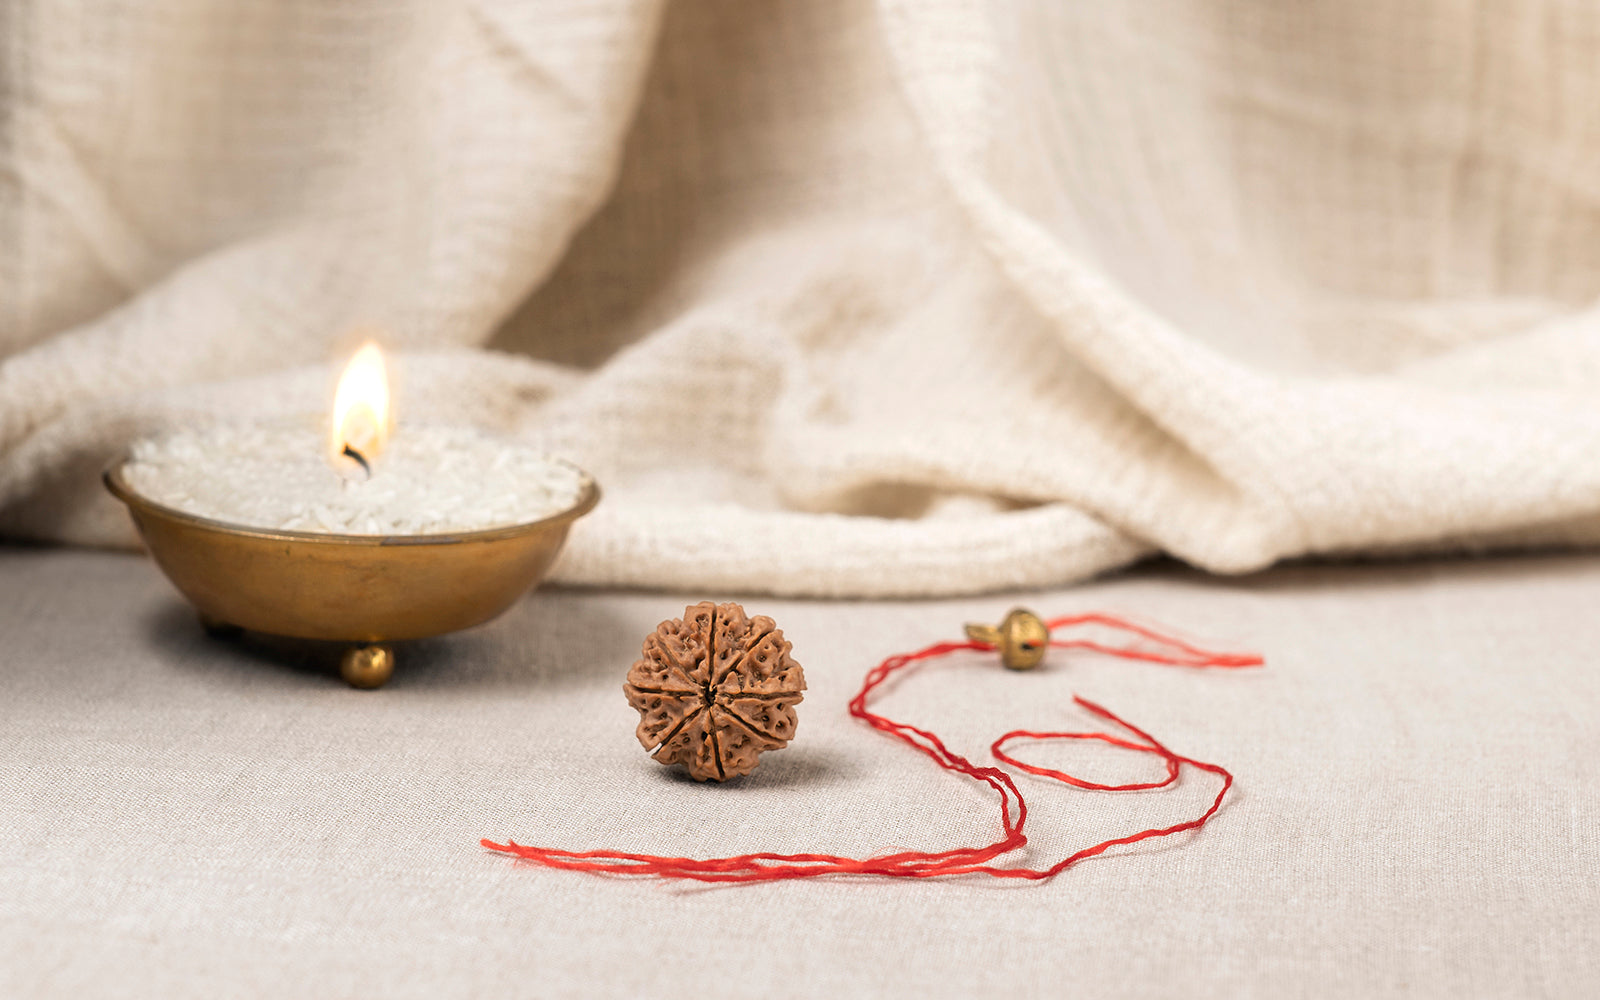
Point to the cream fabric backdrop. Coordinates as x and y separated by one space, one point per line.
838 299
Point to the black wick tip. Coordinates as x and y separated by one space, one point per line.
360 458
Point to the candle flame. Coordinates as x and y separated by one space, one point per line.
361 413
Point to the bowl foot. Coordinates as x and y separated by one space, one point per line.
367 667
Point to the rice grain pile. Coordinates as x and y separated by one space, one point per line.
429 480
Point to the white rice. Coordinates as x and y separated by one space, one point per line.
429 480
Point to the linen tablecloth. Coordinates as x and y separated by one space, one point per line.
1414 814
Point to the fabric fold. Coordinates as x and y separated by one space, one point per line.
842 299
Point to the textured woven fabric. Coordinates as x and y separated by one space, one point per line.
835 298
1414 813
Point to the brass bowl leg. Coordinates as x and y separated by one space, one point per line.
367 667
216 628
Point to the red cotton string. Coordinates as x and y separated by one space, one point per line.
1146 645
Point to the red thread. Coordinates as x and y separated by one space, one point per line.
1013 809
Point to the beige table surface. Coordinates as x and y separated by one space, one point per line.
1416 812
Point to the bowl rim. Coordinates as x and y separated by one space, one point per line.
118 486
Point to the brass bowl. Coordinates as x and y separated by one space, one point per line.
367 590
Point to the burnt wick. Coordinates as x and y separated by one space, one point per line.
360 458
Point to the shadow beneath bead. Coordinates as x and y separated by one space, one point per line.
791 767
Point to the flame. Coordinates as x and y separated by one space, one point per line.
361 415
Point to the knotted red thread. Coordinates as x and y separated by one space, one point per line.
1013 808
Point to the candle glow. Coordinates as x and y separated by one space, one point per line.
362 417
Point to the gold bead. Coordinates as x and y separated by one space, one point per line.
366 667
1021 639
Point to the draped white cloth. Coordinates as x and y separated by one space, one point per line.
835 298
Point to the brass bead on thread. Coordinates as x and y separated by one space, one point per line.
1021 639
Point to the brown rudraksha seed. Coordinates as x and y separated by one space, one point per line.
714 690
